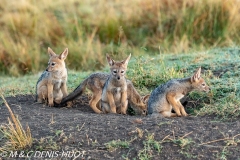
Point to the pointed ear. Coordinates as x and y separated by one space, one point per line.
125 62
64 54
145 98
110 61
50 52
196 75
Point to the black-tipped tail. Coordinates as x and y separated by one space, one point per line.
76 93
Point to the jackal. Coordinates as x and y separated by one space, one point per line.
114 95
95 83
51 85
167 96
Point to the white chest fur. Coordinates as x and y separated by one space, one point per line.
57 83
118 89
179 96
117 94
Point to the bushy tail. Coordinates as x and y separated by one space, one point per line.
76 93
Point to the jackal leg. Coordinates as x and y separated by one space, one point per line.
182 109
94 101
124 103
99 105
111 102
171 99
105 107
42 94
50 94
57 96
64 90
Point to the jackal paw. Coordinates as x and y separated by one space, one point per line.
185 114
123 112
50 105
58 101
69 104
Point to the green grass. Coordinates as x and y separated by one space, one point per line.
220 70
149 144
114 144
91 28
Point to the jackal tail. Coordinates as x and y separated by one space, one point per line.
76 93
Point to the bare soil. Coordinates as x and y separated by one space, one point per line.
80 129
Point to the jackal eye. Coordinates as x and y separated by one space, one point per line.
203 84
53 63
114 71
122 71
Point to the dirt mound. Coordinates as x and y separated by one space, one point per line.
111 136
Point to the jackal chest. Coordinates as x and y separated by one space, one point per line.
57 84
117 93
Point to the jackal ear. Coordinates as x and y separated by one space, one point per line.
145 98
64 54
110 61
196 75
125 62
50 52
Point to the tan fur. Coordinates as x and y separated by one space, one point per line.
51 85
114 95
167 96
95 83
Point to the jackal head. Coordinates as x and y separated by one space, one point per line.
118 68
142 105
198 83
56 62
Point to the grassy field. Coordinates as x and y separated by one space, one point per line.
91 28
220 70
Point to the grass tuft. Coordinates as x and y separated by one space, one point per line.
150 144
17 137
113 145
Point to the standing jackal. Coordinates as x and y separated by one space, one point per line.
114 95
51 85
167 96
95 83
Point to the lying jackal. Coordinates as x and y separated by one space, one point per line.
51 85
168 95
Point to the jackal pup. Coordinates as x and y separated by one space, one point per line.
114 95
95 83
51 85
168 95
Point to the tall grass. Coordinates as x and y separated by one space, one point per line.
91 28
17 137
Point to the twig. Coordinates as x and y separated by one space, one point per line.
173 135
186 134
217 140
81 127
87 139
165 137
236 136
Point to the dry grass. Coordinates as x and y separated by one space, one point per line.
91 28
17 137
